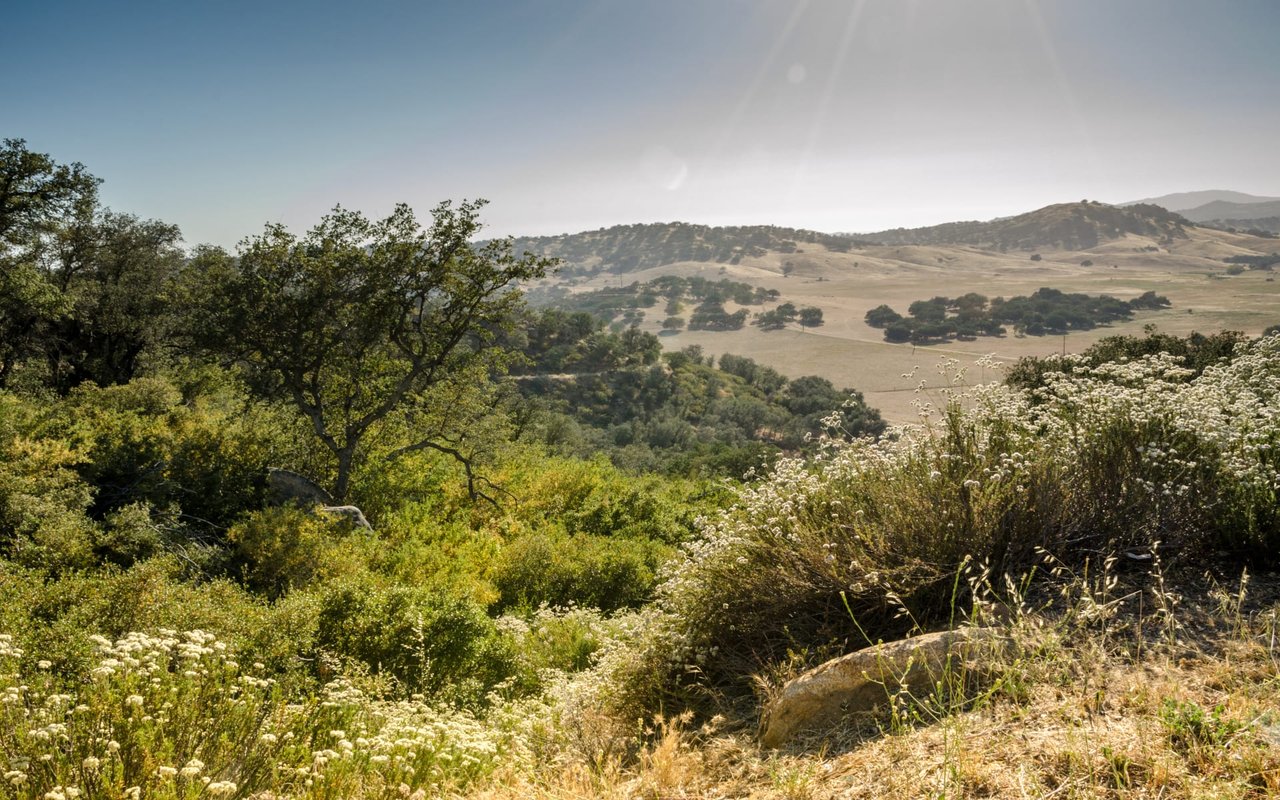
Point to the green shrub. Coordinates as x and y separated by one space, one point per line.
560 640
277 550
1102 460
564 570
43 500
55 617
202 459
431 643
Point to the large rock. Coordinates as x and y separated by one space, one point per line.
285 487
862 680
350 513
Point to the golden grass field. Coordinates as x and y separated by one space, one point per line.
1190 272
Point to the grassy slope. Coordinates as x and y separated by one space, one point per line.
846 285
1118 704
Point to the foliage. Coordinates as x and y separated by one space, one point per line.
1195 352
1120 458
629 248
1254 262
683 416
811 317
710 315
562 570
82 289
1047 311
278 550
429 642
361 324
608 303
556 342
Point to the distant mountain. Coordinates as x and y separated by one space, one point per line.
1235 212
627 248
1262 226
1185 201
1070 226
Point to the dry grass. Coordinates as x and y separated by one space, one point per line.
1140 707
846 285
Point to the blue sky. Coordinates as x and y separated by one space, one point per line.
567 115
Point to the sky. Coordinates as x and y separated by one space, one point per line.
566 115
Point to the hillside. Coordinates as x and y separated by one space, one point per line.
1221 210
627 248
1069 226
1184 201
845 285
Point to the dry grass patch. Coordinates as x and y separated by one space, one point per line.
1086 712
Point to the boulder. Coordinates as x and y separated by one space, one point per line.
285 487
867 678
351 513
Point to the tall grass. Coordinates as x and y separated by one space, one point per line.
1123 460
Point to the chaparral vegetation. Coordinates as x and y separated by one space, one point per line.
582 567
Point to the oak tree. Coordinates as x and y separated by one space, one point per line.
367 325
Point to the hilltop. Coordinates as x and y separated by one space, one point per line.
1223 209
631 248
1069 226
627 248
1185 201
1260 216
1137 250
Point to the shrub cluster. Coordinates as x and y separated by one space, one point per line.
683 416
1133 457
1047 311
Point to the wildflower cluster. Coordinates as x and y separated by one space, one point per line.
176 715
1097 460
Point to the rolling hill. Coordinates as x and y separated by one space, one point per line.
1222 210
1069 226
1185 201
627 248
1086 248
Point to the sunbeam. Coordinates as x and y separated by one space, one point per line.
1083 136
734 119
824 102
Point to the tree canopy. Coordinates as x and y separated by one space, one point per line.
363 323
82 288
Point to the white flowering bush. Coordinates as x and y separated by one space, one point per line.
1120 456
175 715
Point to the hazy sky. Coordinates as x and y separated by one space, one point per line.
574 114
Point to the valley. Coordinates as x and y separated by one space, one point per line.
1189 269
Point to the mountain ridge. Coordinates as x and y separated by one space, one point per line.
1070 226
630 248
1221 211
1186 201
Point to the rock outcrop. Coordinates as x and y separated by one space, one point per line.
351 513
284 487
862 680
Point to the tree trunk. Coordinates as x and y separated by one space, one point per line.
346 458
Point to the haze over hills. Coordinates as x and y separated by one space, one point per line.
1185 201
626 248
1223 209
1070 226
1067 226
